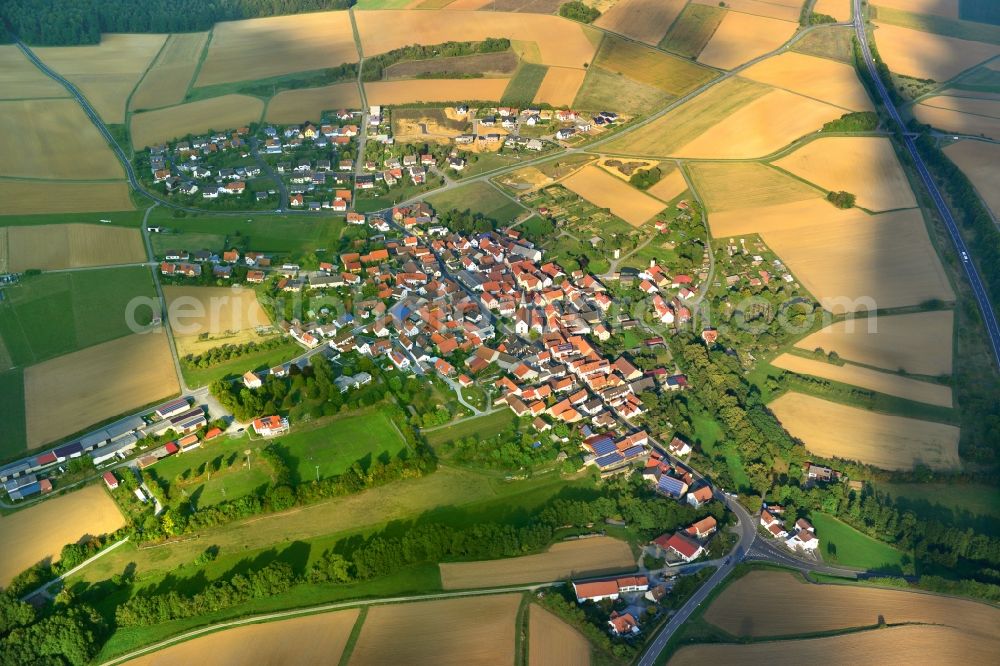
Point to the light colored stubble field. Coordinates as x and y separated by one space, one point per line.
669 186
265 47
864 166
459 632
979 161
552 642
728 186
53 138
743 37
55 246
673 75
925 55
873 380
935 111
561 42
217 311
68 393
20 79
776 603
24 197
783 10
826 80
166 82
838 9
563 560
315 639
604 190
105 73
298 106
644 20
218 113
945 8
833 430
40 532
435 90
559 86
919 343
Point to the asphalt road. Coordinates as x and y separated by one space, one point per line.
982 298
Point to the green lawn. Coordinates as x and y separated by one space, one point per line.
13 436
483 427
57 313
336 445
524 85
976 498
131 218
842 544
238 366
479 197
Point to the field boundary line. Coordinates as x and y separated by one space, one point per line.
198 65
45 587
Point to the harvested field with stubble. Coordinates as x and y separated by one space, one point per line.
435 90
832 430
838 9
895 645
559 86
166 82
314 639
873 380
227 315
297 106
23 197
63 142
40 532
218 113
864 166
20 79
552 642
979 160
775 603
565 559
671 185
459 632
68 393
561 42
276 45
784 10
864 261
674 76
55 246
605 191
828 81
919 343
743 37
926 55
726 186
962 115
644 20
105 73
488 64
945 8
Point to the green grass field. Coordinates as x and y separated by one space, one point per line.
13 437
482 427
691 31
330 449
56 313
603 90
976 498
828 42
238 366
522 88
842 544
130 218
479 197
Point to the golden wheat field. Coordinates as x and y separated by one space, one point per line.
296 106
919 343
64 143
559 86
826 80
39 532
166 82
788 10
563 560
20 79
743 37
68 393
435 90
24 197
979 161
604 190
838 9
866 378
864 262
105 73
218 113
728 186
55 246
926 55
462 631
560 42
263 47
552 642
777 603
644 20
226 315
946 8
832 430
671 185
864 166
963 115
807 212
893 646
315 639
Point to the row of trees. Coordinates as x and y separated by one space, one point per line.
228 352
374 67
62 633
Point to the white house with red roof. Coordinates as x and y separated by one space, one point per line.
270 426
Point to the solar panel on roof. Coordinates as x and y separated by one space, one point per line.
633 452
669 484
603 446
609 460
